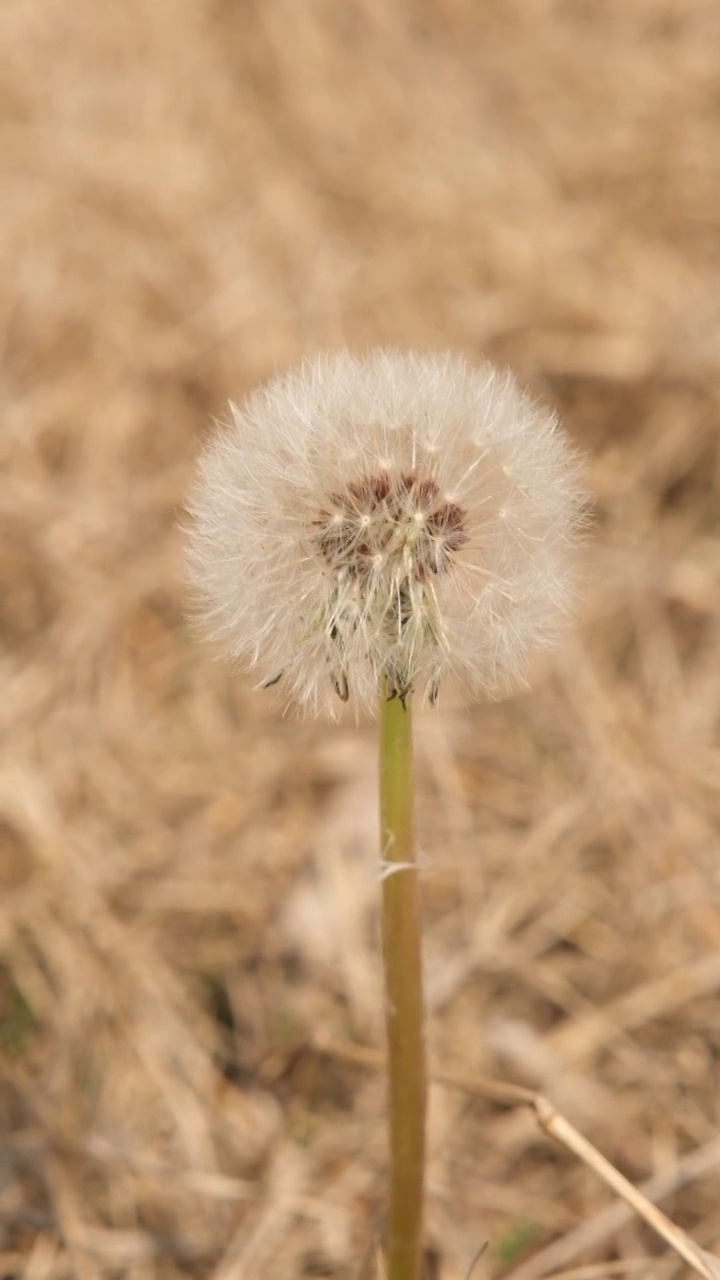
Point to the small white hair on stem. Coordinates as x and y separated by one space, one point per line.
394 516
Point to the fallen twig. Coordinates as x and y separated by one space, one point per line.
555 1126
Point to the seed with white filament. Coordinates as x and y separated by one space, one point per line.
398 522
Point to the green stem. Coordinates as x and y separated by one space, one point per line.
403 988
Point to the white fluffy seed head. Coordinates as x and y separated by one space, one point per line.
397 516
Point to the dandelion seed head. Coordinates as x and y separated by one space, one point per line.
395 516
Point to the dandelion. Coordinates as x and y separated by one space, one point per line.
364 529
398 517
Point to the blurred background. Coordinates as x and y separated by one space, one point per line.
195 193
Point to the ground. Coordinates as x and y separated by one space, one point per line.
195 193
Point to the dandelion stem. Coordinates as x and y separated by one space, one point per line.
403 987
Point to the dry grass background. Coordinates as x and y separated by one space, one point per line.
195 192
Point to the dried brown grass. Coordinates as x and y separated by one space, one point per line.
193 194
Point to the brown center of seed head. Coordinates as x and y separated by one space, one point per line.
401 523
